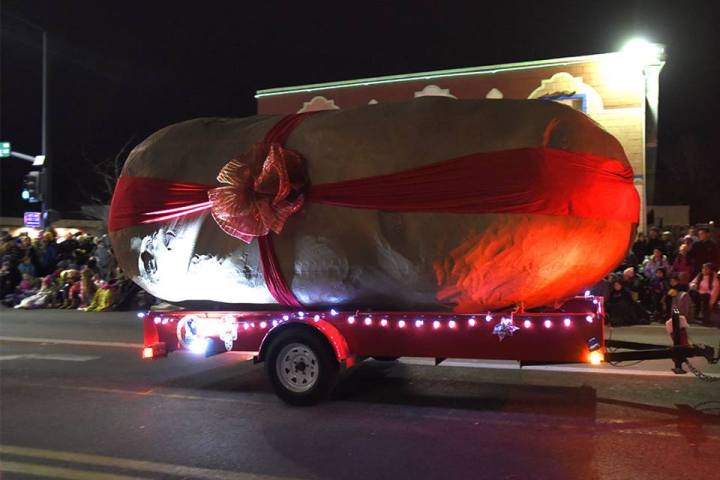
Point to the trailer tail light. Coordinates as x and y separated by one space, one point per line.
596 357
156 350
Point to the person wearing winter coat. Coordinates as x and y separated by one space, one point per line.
704 290
653 262
705 250
682 261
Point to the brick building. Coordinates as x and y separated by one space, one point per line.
618 90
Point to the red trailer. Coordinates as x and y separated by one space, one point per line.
305 351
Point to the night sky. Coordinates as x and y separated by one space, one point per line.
121 69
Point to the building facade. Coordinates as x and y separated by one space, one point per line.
618 90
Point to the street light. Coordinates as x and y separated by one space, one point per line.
642 52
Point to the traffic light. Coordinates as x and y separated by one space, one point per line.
32 187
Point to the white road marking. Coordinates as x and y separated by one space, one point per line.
550 368
68 341
55 357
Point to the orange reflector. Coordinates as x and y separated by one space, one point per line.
148 352
596 357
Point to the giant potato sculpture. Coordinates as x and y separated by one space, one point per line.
334 255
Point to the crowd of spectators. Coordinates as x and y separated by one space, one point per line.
74 272
663 272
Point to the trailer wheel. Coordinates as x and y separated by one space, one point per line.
301 366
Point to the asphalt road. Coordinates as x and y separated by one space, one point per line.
77 402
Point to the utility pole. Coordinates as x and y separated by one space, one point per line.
43 147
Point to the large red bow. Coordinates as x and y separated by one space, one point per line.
265 186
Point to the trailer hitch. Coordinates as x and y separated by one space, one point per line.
679 352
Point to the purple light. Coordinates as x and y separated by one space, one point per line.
164 321
301 314
383 322
472 322
286 317
527 324
368 321
351 319
436 324
418 323
316 318
452 324
567 322
156 320
401 324
589 319
274 323
488 318
263 324
333 312
246 326
547 323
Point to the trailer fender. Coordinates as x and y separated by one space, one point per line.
333 336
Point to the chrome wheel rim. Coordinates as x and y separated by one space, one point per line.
297 368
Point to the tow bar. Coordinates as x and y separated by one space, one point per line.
679 352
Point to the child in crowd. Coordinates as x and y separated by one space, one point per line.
704 290
658 291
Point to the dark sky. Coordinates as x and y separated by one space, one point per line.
121 69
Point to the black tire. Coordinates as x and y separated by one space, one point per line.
322 366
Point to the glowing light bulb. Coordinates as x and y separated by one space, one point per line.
587 293
246 326
401 324
140 315
286 317
488 318
547 323
436 324
199 345
472 322
316 318
274 323
368 321
383 322
452 324
263 324
596 357
418 323
301 314
333 312
527 324
351 319
567 322
589 318
164 321
156 320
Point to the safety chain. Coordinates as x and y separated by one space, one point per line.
702 376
